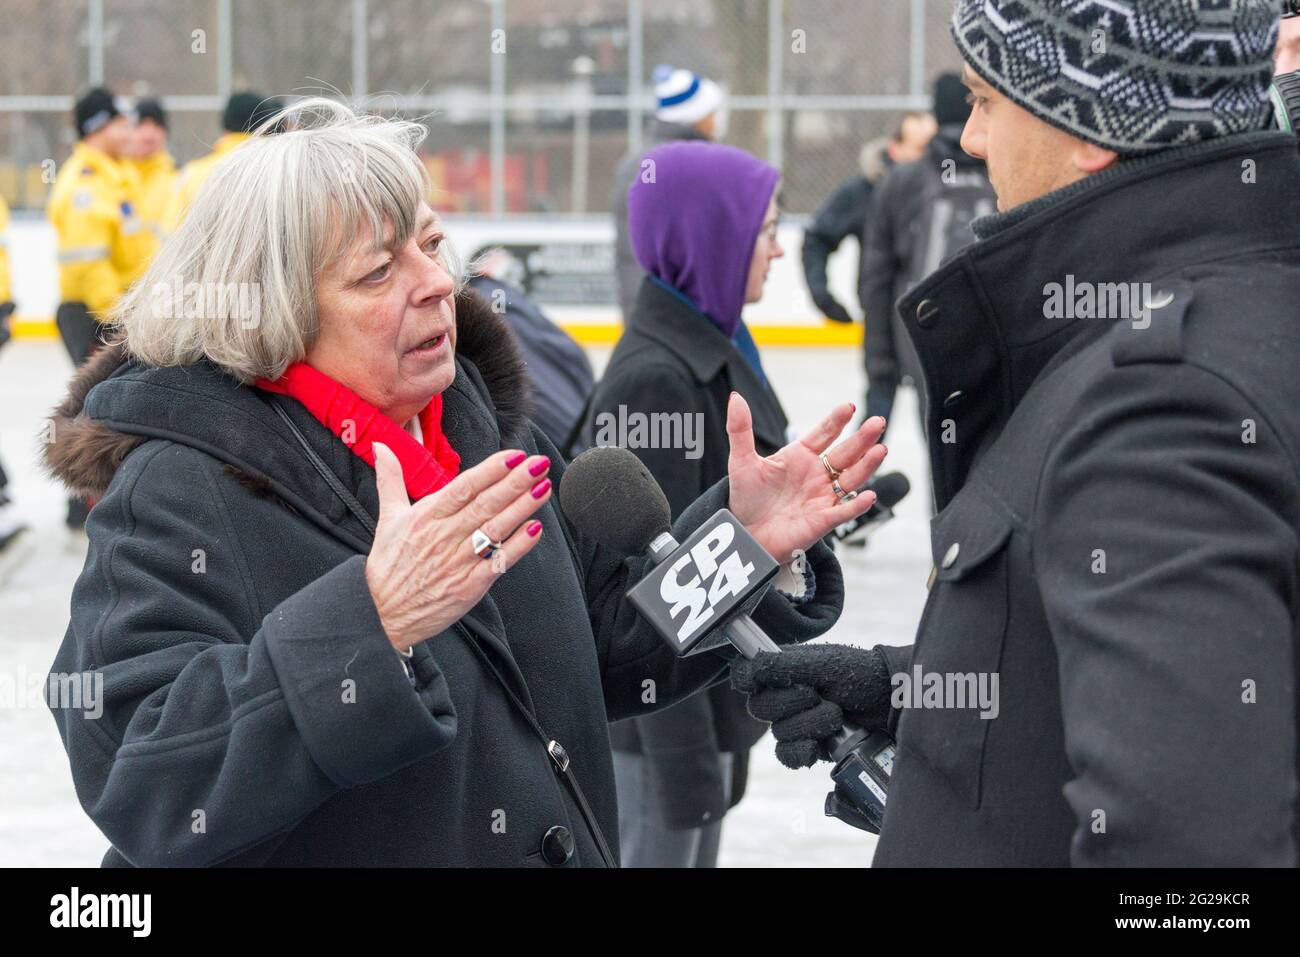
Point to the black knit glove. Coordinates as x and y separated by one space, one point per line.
6 310
833 311
806 691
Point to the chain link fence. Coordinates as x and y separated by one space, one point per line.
530 103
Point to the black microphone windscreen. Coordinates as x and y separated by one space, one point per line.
612 499
891 489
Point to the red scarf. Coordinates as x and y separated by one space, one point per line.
426 467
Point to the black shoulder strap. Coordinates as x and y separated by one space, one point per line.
355 507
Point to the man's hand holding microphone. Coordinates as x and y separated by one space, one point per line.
808 691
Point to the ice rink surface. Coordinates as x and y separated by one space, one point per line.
779 822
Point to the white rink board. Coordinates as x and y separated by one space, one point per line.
785 301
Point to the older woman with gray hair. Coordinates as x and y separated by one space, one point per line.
303 443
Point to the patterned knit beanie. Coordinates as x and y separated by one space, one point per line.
1134 76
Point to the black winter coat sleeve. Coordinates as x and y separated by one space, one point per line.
843 215
878 278
1176 657
254 712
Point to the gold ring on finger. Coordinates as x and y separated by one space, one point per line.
831 470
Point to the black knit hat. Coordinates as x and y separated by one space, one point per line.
94 110
247 111
151 110
267 109
950 106
1134 76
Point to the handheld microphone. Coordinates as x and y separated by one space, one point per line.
698 595
890 490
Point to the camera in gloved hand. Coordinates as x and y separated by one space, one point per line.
807 691
829 703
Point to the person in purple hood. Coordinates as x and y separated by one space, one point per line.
702 220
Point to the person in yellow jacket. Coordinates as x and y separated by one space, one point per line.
244 113
11 526
103 245
153 164
6 290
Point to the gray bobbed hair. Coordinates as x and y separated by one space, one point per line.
236 282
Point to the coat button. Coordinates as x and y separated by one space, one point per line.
950 556
927 313
955 399
557 846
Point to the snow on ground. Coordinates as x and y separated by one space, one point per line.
780 821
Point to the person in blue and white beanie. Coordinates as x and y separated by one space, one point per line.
1113 425
687 98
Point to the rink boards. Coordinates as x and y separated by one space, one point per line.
568 264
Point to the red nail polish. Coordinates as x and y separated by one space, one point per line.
515 459
853 406
534 529
540 467
541 488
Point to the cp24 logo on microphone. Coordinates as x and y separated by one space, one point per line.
717 572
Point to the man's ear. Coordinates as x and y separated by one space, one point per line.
1089 158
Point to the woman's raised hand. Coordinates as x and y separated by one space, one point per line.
786 500
422 571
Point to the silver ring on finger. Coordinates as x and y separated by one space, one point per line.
483 545
840 493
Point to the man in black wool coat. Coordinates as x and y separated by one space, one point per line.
1114 435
